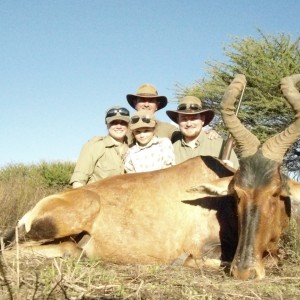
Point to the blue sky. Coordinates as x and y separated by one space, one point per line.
63 63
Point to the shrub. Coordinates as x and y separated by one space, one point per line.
57 173
21 186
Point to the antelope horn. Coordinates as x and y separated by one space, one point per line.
275 147
246 142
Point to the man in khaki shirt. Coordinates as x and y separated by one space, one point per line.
102 157
147 99
193 141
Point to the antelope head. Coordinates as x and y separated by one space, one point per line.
258 184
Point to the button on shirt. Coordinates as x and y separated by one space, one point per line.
157 154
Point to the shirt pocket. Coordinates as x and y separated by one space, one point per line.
106 168
106 165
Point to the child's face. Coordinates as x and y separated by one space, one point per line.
143 135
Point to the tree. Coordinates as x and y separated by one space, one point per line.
264 61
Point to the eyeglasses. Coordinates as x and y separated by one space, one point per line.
184 106
145 119
114 111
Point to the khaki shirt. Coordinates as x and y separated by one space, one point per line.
99 158
204 146
164 129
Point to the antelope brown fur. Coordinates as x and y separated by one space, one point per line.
198 209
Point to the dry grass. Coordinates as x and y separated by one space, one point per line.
24 276
28 277
22 186
40 278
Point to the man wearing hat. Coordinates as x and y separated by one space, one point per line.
104 156
147 98
194 142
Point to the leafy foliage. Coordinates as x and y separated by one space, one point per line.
56 174
45 174
264 62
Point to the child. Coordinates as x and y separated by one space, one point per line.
148 152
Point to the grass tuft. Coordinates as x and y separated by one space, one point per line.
34 277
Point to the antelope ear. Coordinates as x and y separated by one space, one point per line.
220 187
292 190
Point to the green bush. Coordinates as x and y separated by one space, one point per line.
56 174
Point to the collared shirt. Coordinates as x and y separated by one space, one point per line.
157 154
203 146
99 158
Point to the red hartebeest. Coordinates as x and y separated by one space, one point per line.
263 193
199 210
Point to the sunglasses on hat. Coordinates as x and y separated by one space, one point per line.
114 111
145 119
184 106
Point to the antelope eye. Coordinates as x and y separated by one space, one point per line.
276 193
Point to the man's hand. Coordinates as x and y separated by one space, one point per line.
76 184
228 163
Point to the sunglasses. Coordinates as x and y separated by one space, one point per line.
188 107
145 119
114 111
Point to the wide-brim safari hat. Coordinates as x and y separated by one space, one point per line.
117 113
142 119
147 91
190 105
